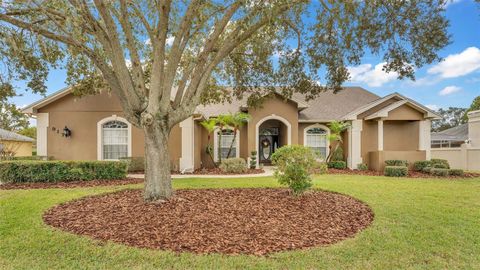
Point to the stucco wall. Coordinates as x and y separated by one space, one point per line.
369 139
279 107
405 112
81 116
400 135
21 149
465 158
377 158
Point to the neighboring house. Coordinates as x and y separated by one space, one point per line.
15 144
460 145
390 127
452 137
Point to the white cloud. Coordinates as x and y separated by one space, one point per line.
372 76
433 107
456 65
449 90
169 41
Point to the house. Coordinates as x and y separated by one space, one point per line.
460 145
14 144
452 137
382 128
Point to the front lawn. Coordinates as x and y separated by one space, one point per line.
419 224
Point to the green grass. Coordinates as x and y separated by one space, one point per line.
419 224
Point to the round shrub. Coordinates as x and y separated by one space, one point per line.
443 162
439 172
233 165
420 165
341 165
396 162
426 169
135 164
294 165
362 167
320 167
456 172
396 171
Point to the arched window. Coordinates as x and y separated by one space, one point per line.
114 138
228 136
316 139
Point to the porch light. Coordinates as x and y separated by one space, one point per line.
66 132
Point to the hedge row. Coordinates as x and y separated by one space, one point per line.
60 171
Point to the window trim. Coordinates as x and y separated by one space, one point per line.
100 135
215 143
327 151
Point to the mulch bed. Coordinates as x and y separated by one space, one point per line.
411 174
73 184
229 221
217 171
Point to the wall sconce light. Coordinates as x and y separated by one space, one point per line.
66 132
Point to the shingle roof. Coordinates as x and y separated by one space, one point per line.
326 106
458 133
12 136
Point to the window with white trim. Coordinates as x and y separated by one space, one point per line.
316 139
114 139
228 137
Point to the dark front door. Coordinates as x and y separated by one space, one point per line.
268 143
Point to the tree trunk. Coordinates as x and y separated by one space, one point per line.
220 146
210 151
158 182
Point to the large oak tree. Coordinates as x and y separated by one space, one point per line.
163 58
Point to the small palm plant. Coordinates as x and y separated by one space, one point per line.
222 121
210 125
335 137
237 121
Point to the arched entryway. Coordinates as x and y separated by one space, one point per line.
272 132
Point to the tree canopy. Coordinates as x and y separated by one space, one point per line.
163 58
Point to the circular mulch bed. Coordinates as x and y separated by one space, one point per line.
230 221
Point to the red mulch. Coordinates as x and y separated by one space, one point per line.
217 171
73 184
411 174
229 221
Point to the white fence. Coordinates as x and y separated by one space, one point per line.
465 157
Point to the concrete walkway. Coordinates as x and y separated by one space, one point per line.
268 172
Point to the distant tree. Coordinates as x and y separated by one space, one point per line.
11 118
473 107
451 117
164 58
30 132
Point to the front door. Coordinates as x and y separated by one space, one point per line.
268 143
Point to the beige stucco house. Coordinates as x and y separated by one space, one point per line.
15 144
390 127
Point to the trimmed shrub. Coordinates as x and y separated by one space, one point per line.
443 162
294 165
456 172
253 159
396 162
440 166
362 167
420 165
426 169
439 172
396 171
60 171
135 164
32 158
341 165
234 165
320 167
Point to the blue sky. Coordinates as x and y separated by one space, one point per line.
454 82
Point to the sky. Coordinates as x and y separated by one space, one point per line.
454 82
